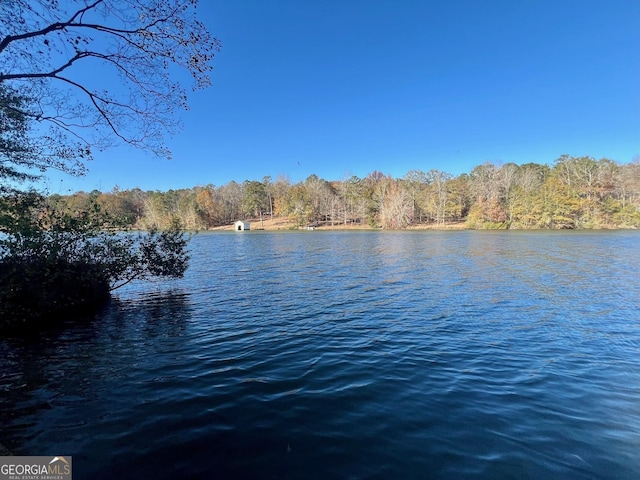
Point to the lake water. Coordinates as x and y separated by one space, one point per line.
349 355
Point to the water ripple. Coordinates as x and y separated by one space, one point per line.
350 355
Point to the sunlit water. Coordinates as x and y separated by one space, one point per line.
349 355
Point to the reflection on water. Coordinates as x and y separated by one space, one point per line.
349 355
71 363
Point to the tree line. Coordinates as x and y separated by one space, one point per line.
572 192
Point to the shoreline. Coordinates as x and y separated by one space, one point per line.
284 225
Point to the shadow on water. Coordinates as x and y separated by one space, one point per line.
64 366
151 314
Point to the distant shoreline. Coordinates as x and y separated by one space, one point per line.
279 224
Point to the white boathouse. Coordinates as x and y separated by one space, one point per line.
241 226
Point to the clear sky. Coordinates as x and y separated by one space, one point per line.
345 87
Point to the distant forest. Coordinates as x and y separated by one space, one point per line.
573 192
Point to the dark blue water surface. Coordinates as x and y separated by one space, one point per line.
349 355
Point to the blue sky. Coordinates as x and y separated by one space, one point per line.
345 87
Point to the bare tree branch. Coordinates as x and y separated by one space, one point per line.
50 28
131 45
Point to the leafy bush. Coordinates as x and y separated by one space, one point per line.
52 264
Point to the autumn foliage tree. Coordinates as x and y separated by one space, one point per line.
524 196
